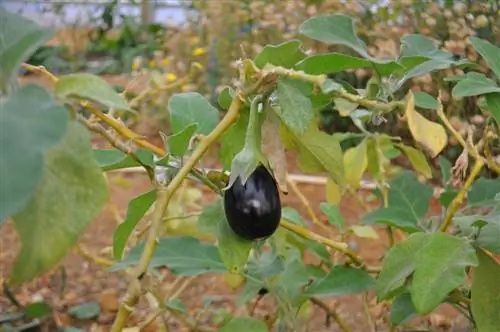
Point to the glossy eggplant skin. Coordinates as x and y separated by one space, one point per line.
253 210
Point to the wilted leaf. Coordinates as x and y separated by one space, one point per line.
295 108
398 264
440 268
355 164
485 293
90 87
366 232
273 149
183 255
342 280
31 123
430 134
71 194
187 108
284 55
233 250
417 160
137 207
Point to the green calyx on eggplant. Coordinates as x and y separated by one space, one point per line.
253 208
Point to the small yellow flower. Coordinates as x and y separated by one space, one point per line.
165 61
199 51
170 77
152 63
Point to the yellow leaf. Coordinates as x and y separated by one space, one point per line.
333 192
234 280
273 149
417 160
355 164
344 107
366 232
199 51
430 134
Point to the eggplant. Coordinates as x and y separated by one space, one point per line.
253 210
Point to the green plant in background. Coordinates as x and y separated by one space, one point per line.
55 178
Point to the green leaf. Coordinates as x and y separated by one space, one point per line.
90 87
474 84
285 55
424 68
440 268
19 39
191 107
488 234
331 63
417 160
226 97
233 250
233 140
485 293
72 193
31 124
137 208
489 52
398 264
334 29
177 305
295 108
408 203
342 280
112 159
402 309
483 191
85 311
333 214
246 323
292 215
182 255
318 152
179 143
493 106
445 166
425 100
420 45
37 310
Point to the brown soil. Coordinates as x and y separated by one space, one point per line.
87 281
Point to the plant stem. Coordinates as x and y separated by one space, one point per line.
366 309
487 152
455 204
332 313
80 250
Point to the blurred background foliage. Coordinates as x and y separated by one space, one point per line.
221 32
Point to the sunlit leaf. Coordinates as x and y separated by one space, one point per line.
295 108
417 160
188 108
284 55
355 164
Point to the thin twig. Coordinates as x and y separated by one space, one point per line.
331 313
366 309
80 250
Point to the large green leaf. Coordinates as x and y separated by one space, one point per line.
425 68
19 39
90 87
318 152
489 52
474 84
342 280
247 324
484 191
440 268
493 106
425 100
233 250
485 293
398 265
137 207
233 140
182 255
295 108
334 29
31 122
489 232
331 63
420 45
402 309
71 194
408 204
285 55
178 143
191 107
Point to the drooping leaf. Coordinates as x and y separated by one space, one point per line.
90 87
179 143
408 203
113 159
489 52
295 108
233 140
71 194
85 311
333 214
398 264
317 151
31 123
342 280
19 39
417 160
245 323
182 255
430 134
137 207
233 250
474 84
187 108
284 55
402 309
273 149
493 105
226 97
355 164
485 293
440 268
425 100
